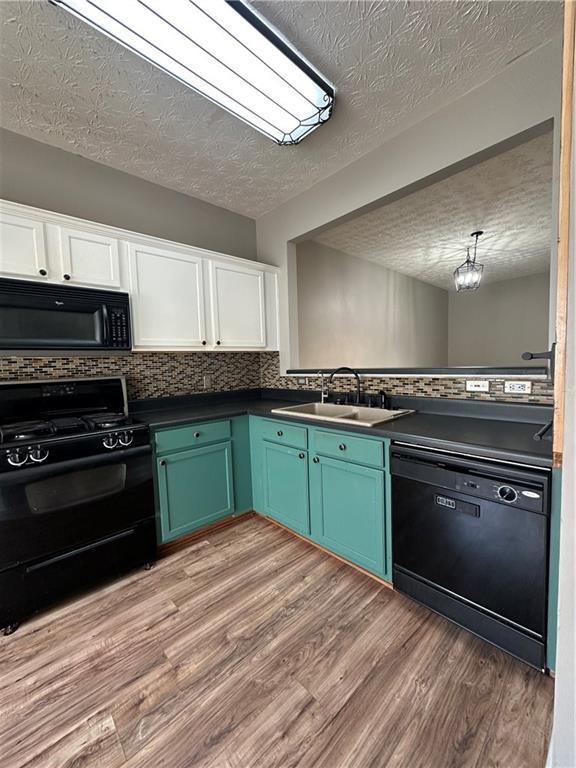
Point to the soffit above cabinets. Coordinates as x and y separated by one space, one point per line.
425 234
393 63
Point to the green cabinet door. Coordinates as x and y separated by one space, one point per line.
348 511
195 488
285 485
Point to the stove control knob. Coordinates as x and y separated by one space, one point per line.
17 457
507 494
110 441
126 438
38 453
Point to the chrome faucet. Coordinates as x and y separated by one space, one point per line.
354 373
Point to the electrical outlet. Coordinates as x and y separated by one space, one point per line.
303 381
207 381
518 387
480 385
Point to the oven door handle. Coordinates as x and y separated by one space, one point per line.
27 474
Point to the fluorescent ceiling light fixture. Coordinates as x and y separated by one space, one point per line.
226 52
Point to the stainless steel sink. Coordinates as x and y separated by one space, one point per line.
344 414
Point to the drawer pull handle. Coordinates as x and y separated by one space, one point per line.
279 433
316 460
163 463
66 277
196 435
43 272
301 455
342 446
203 342
218 343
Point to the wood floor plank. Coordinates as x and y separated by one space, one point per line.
360 732
57 695
142 710
525 707
281 734
451 707
93 744
333 676
250 648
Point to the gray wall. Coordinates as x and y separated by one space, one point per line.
494 325
37 174
352 312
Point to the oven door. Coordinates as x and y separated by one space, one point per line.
50 509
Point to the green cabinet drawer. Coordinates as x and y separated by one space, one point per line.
191 436
348 511
284 433
285 486
195 488
341 445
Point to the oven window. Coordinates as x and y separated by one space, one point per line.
42 326
75 488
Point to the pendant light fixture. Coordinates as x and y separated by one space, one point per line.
224 51
468 275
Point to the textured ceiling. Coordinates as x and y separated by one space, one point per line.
425 234
392 63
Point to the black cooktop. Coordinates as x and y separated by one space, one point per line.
26 430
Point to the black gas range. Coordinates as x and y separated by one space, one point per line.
76 491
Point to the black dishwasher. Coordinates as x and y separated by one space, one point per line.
471 542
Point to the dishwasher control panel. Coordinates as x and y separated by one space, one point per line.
492 483
502 490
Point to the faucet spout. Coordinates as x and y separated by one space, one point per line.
346 369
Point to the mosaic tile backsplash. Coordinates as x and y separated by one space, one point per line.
160 374
455 389
148 374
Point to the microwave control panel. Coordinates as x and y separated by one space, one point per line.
119 328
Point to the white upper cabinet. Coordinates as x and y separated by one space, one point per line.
167 294
238 309
22 247
40 245
88 258
182 297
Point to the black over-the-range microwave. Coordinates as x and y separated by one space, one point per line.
35 315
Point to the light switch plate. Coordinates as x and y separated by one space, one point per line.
207 381
518 387
478 385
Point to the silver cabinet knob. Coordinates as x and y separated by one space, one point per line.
316 460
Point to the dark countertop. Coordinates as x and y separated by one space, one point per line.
486 437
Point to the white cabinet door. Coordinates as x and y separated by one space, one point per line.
238 305
89 259
22 247
167 294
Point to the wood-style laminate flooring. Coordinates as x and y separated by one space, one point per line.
253 648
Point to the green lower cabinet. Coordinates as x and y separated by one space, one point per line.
285 486
195 488
348 511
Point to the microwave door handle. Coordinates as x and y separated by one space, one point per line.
106 324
